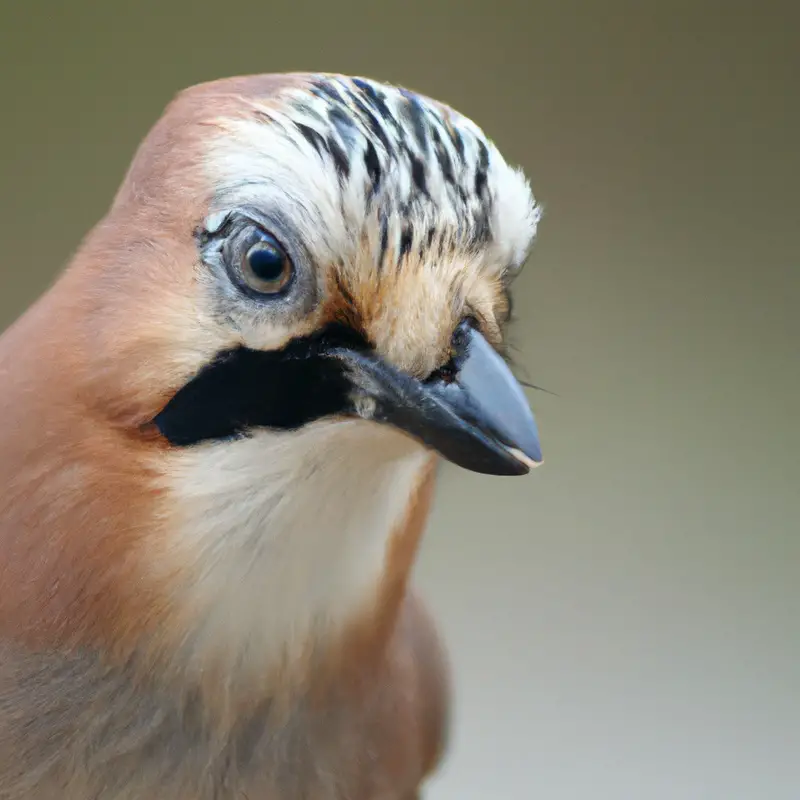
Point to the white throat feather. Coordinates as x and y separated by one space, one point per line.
283 536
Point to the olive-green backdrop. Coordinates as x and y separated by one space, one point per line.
625 623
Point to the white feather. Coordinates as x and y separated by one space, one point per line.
286 533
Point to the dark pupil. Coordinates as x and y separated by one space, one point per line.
266 263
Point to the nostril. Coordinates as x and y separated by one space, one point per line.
445 374
448 372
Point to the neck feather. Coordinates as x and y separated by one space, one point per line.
284 542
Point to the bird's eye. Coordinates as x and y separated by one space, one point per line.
265 267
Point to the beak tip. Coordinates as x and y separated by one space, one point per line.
529 461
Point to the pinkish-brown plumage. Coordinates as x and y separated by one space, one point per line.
233 619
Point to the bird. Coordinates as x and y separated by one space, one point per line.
220 431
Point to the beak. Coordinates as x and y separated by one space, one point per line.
474 414
473 411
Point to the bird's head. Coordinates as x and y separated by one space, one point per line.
299 294
347 249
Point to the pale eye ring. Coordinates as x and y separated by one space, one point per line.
265 267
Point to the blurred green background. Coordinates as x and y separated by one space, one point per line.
625 623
